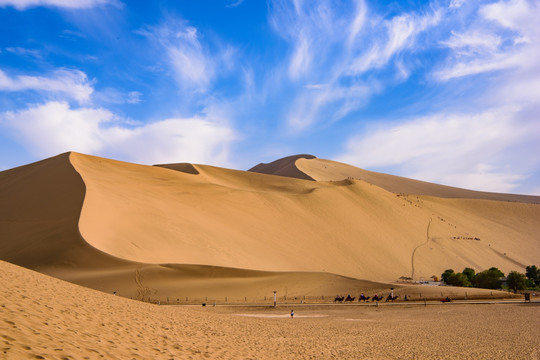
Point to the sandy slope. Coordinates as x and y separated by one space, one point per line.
45 318
203 232
312 168
248 220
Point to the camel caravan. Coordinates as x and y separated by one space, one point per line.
362 297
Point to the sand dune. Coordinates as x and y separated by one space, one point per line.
45 318
184 230
312 168
284 167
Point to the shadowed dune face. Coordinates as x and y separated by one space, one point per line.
39 216
284 167
183 167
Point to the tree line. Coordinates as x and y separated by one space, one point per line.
493 278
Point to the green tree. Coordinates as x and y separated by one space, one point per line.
446 274
488 279
458 279
516 281
533 274
469 273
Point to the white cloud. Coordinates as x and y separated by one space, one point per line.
476 151
356 25
471 43
114 96
512 13
311 27
454 4
235 4
71 4
193 68
71 83
505 36
338 44
195 65
133 97
400 35
488 149
24 52
301 59
54 127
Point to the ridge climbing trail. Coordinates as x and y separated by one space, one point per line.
425 243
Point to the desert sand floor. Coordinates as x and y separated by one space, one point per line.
45 318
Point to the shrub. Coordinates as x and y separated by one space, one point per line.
488 279
446 274
516 281
469 273
533 274
458 279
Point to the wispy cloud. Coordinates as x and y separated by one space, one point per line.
195 63
470 151
488 149
399 34
234 4
340 45
71 4
24 52
55 127
454 4
503 36
114 96
72 84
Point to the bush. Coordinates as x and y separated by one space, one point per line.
533 274
488 279
446 274
516 281
458 279
469 273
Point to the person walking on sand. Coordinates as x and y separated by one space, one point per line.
292 314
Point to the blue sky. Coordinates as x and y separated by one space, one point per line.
442 91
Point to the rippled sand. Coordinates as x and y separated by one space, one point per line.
45 318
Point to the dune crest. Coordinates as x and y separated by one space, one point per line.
284 167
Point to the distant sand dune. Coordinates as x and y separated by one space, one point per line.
311 168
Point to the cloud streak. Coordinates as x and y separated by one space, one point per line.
195 63
73 84
70 4
470 151
341 45
485 149
503 36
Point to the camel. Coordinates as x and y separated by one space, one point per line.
363 298
349 298
377 298
339 298
391 298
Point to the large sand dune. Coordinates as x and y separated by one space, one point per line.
183 230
